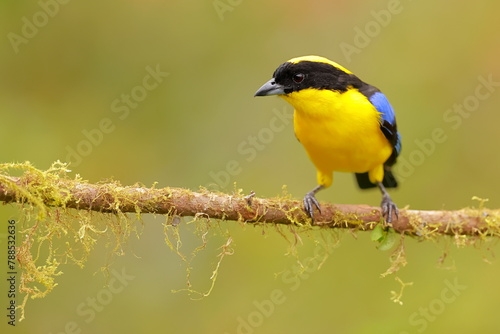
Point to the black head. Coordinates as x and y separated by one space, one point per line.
308 74
294 76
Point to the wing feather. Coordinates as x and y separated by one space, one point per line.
388 124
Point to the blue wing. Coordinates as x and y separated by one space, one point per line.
390 130
387 124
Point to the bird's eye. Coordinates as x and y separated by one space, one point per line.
298 78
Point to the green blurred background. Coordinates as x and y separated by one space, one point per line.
66 70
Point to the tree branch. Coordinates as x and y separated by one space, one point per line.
55 191
53 196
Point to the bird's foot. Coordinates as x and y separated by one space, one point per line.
388 209
310 202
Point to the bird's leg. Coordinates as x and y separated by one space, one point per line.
388 207
310 201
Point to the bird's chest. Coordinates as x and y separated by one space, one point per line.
337 134
341 134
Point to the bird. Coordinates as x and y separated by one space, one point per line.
344 124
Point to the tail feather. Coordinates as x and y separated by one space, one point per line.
365 183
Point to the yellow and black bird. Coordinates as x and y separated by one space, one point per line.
345 125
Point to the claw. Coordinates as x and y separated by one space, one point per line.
310 202
388 207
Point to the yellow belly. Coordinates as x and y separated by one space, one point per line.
340 132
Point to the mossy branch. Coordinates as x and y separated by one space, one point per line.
57 214
113 198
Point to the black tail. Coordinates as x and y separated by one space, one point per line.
388 182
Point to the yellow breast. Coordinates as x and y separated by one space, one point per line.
340 131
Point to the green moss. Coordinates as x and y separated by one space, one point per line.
54 234
202 229
396 296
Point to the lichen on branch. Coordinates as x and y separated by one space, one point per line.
52 188
55 206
